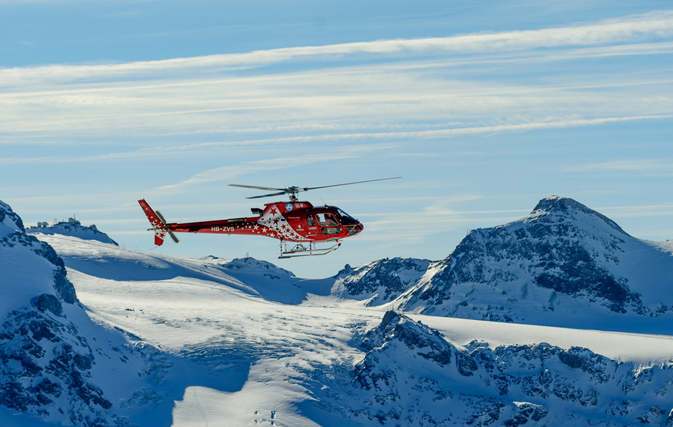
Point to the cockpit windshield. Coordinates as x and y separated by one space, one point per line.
344 218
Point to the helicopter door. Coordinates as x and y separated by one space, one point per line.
328 223
312 228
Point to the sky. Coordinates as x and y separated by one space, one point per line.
483 108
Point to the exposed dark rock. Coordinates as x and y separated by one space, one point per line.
63 286
6 212
486 412
31 387
46 302
466 364
525 412
382 280
414 335
669 419
564 204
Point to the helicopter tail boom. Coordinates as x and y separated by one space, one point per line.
158 223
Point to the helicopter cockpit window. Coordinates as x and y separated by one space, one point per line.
309 221
345 218
331 230
327 219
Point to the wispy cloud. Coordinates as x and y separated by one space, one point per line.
231 171
629 29
409 91
443 133
643 165
418 226
179 150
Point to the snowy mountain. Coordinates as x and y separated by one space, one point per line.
56 363
413 376
381 281
214 342
72 228
564 265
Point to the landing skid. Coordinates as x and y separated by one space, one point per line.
302 249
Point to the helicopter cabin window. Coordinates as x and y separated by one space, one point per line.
345 219
331 230
309 221
327 219
329 223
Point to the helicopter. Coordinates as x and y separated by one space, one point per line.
303 229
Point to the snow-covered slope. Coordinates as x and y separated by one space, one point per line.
55 362
562 265
74 229
248 275
240 321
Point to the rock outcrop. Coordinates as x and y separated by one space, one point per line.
49 348
411 375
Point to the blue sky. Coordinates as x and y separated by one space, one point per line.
483 109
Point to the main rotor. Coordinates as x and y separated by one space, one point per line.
294 190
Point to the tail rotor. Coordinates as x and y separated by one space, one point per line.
159 225
170 233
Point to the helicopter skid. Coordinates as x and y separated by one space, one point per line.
302 249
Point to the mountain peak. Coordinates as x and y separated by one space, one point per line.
558 203
564 205
555 263
9 221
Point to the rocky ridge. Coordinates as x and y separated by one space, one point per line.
55 362
411 375
379 282
563 262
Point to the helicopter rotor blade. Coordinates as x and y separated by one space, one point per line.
170 233
267 195
258 188
292 191
348 183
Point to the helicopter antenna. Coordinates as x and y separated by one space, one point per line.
294 190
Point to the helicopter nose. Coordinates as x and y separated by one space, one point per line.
355 228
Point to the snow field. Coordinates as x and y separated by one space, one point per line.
639 348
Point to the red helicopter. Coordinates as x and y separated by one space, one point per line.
300 223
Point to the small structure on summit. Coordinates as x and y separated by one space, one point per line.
71 221
71 227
